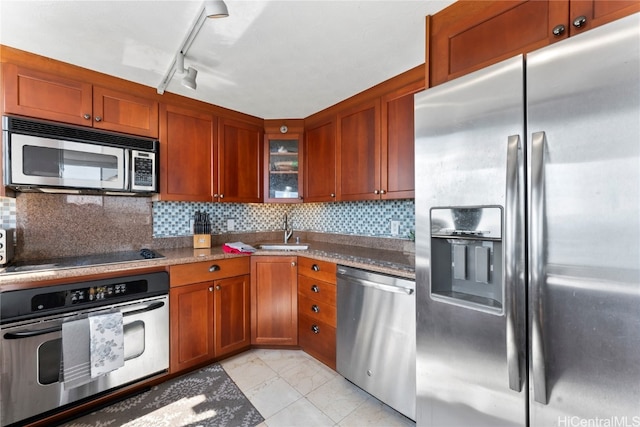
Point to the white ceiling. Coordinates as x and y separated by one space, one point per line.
269 58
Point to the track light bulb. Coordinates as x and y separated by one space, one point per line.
190 79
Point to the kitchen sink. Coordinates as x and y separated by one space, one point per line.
284 246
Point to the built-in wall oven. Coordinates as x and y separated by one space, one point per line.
32 345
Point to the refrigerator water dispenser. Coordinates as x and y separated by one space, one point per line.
466 251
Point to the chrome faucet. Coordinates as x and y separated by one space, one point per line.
288 231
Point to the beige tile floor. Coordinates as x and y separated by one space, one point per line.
290 388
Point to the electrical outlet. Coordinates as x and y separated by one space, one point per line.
231 224
395 227
191 224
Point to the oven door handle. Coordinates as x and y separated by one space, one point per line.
150 307
29 334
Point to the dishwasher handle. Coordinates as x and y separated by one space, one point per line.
381 287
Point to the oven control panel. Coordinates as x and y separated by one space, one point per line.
65 298
32 303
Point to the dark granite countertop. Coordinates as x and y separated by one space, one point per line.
392 262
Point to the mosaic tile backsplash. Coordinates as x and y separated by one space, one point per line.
370 218
51 225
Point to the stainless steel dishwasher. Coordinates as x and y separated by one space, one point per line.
376 336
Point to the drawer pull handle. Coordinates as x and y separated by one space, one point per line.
315 267
213 268
315 288
315 308
315 329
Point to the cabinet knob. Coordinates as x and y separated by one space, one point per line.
383 191
222 196
580 21
315 329
86 116
213 268
315 308
218 287
293 263
558 30
215 196
315 267
333 194
210 288
98 119
376 192
315 288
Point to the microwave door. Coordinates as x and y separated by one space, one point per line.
49 162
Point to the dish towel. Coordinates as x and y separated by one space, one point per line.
107 343
238 248
76 368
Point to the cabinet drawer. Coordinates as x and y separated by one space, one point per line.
317 289
318 339
320 270
208 270
317 310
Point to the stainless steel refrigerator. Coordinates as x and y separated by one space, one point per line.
528 238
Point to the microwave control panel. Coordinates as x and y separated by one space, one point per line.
143 174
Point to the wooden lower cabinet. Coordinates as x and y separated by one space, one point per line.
317 309
231 300
191 314
209 313
274 300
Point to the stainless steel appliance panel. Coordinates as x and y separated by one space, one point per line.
584 184
375 335
577 175
470 362
31 364
51 162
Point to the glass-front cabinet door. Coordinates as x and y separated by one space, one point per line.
283 183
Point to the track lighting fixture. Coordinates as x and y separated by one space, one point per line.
190 79
209 9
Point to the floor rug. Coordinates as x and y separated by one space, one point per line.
205 398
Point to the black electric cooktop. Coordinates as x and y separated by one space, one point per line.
81 261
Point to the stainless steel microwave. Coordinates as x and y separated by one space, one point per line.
52 157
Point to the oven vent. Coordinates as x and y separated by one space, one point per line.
78 134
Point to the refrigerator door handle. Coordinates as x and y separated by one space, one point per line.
536 256
512 214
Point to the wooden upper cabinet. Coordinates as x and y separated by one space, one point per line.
186 154
359 152
240 164
47 96
320 161
469 35
397 151
587 14
121 112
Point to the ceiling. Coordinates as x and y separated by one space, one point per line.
269 58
